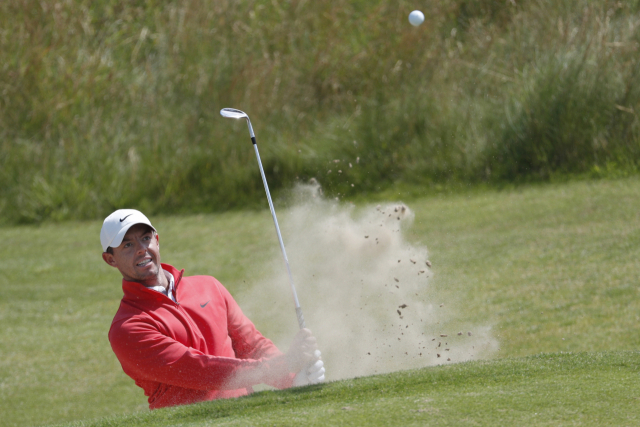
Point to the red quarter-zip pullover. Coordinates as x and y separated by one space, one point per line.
201 348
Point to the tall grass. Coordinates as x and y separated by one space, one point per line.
578 109
109 103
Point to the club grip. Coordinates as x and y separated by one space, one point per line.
300 317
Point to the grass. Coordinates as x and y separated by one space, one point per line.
552 268
115 103
587 389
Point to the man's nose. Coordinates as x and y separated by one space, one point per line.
140 246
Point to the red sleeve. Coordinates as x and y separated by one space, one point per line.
248 342
145 353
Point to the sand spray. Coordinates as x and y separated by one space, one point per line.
364 289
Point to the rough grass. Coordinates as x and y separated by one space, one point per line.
552 268
109 104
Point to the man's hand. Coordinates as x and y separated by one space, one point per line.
313 374
301 353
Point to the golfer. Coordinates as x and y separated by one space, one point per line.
185 339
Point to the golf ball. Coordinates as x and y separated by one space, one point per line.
416 18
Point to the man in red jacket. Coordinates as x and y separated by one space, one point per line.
185 339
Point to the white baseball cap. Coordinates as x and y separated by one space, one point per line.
115 226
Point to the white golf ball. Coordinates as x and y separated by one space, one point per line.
416 18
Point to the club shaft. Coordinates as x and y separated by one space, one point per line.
275 222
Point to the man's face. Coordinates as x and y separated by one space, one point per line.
138 256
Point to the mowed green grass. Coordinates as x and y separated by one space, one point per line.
587 389
551 268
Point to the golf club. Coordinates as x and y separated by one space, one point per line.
237 114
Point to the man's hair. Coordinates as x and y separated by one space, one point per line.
110 249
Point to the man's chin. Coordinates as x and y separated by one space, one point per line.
146 273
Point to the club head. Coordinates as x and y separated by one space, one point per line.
232 113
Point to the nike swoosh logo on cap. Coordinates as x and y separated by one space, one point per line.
205 304
125 217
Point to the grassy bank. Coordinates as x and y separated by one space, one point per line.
550 268
109 104
598 389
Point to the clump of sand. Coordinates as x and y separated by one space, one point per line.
364 290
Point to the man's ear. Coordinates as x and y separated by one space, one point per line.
109 259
